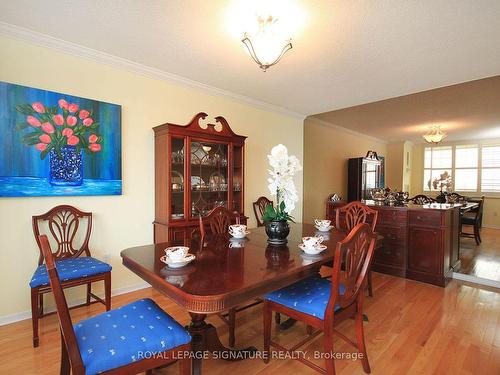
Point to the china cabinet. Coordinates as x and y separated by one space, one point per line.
197 168
364 175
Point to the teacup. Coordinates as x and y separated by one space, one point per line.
238 230
176 253
322 223
312 242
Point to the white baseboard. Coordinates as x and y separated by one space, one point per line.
476 280
12 318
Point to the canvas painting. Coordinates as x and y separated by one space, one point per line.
56 144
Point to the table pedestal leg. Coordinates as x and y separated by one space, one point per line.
205 339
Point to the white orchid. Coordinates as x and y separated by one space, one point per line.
281 183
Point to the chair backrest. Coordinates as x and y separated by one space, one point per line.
64 223
421 199
479 209
352 260
350 215
219 220
259 207
455 197
67 332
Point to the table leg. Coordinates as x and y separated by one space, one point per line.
205 338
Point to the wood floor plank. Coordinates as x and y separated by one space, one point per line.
413 328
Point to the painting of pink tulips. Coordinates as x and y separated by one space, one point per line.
58 144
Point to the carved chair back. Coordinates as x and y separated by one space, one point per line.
421 199
64 224
259 208
455 197
350 215
67 332
353 257
218 220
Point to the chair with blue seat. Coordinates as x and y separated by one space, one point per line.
323 304
67 225
134 338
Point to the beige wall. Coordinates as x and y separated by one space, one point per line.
491 214
123 221
326 150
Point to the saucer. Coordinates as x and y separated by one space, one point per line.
239 236
312 251
177 263
323 229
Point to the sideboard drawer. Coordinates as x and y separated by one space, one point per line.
425 217
392 217
393 235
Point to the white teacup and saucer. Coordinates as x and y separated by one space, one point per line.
323 225
177 256
312 245
238 231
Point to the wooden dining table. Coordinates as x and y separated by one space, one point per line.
227 273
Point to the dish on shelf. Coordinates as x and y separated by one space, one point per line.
177 216
177 181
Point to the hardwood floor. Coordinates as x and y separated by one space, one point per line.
481 260
413 328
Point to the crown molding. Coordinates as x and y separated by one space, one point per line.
43 40
349 131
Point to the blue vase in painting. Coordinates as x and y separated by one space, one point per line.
68 169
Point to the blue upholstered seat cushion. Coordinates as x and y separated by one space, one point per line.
70 269
309 296
127 334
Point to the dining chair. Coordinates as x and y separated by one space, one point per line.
474 219
421 199
323 304
350 215
131 339
259 208
68 226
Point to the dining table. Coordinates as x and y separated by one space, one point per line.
226 273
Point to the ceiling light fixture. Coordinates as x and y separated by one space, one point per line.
266 46
435 135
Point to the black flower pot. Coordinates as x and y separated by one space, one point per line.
277 232
441 198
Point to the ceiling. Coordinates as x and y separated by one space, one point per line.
345 52
465 111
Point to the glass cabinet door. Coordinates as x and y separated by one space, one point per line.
177 181
209 176
237 179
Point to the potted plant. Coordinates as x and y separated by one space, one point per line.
444 181
276 218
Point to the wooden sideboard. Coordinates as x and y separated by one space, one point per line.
421 242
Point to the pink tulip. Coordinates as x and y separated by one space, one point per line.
88 121
73 107
58 119
33 121
67 132
38 107
45 138
73 140
93 138
48 127
41 146
95 147
83 114
71 120
63 104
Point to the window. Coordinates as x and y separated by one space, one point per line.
474 168
466 167
490 172
437 161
